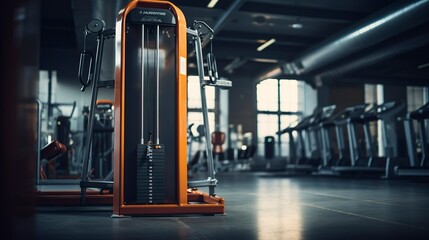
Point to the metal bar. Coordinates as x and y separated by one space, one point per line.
308 144
85 173
352 143
48 122
203 183
157 84
292 148
199 56
340 141
410 138
301 153
39 136
326 148
94 96
221 83
423 139
192 32
142 102
368 143
279 124
388 148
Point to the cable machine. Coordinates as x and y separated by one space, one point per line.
150 156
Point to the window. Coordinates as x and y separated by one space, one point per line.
416 97
374 95
278 107
195 115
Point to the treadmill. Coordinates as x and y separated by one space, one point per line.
386 113
297 147
343 119
418 162
314 130
304 152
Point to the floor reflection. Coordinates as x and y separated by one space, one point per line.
279 214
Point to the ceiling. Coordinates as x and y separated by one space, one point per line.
320 41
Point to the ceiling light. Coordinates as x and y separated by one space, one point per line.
265 60
296 26
423 66
266 44
212 3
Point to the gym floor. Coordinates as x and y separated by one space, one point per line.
267 205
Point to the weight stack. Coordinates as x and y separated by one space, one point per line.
151 174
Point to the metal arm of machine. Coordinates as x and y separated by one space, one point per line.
96 29
197 36
222 84
94 36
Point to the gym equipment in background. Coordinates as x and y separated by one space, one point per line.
63 135
197 162
89 75
418 161
306 151
217 140
381 165
320 116
102 141
48 155
344 120
298 145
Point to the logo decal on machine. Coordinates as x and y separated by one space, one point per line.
153 13
150 15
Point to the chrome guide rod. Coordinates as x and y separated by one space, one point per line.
39 138
157 84
142 102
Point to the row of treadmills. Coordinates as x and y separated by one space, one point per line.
344 142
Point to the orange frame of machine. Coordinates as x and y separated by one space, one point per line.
189 201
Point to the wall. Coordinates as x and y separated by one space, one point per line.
341 95
242 103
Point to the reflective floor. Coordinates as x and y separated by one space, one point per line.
267 206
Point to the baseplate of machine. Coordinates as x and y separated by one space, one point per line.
198 203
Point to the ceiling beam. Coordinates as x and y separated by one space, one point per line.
224 18
374 29
227 14
248 51
301 12
254 37
382 54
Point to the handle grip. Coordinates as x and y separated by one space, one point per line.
85 59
